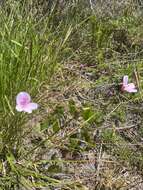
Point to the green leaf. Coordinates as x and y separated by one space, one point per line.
72 108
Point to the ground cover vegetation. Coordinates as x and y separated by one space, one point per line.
85 129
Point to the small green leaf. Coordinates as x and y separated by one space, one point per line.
72 108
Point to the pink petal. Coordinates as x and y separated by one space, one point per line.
131 85
19 108
125 80
133 90
130 88
23 98
33 106
30 107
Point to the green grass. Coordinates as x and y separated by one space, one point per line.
71 61
30 54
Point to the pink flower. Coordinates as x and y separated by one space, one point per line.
23 103
128 87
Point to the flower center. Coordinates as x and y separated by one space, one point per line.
24 101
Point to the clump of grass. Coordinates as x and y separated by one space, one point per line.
30 53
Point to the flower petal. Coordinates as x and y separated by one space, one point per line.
130 88
23 98
131 85
33 106
30 107
133 90
19 108
125 80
